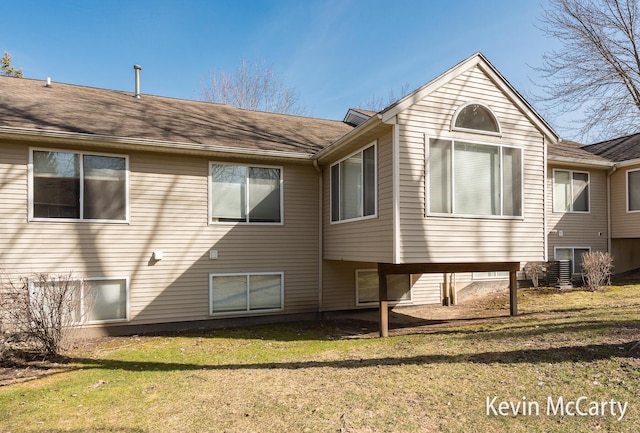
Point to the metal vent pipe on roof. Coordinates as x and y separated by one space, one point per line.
137 68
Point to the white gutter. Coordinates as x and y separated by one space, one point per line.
628 163
25 134
580 162
351 135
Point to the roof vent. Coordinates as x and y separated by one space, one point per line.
48 82
137 68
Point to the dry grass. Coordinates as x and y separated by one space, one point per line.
314 377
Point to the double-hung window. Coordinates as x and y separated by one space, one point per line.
472 179
244 293
78 186
633 190
245 194
353 186
570 191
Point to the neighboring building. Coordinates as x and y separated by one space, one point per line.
183 213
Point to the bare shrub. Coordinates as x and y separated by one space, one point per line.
43 309
534 270
596 269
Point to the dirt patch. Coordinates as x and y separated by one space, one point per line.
22 367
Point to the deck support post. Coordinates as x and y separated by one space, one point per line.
384 304
513 293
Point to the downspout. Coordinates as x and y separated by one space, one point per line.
609 225
320 233
396 191
544 200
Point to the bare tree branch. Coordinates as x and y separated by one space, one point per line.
375 103
253 86
597 69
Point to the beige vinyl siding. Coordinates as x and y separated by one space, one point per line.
579 229
427 289
623 224
626 254
453 239
369 239
168 212
339 291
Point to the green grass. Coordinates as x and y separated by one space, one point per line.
314 377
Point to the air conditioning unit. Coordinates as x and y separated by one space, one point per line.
559 273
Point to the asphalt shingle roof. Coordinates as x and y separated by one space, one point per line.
618 149
29 104
569 150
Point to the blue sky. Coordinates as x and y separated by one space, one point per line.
336 53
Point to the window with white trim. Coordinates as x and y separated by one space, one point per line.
94 300
367 287
572 253
570 191
475 117
244 293
78 186
245 194
108 298
473 179
491 275
353 186
633 190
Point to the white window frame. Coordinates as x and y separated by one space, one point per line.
454 119
628 191
127 308
373 144
573 254
30 186
453 213
246 221
490 276
571 172
82 295
369 304
246 311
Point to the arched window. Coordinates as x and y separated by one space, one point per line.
475 116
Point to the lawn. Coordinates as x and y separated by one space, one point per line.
564 348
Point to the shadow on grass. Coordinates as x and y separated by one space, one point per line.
587 353
97 430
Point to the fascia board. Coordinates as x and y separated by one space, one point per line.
480 61
140 144
581 162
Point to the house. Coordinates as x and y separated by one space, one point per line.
184 214
596 207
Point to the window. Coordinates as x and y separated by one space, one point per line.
239 293
367 287
570 191
95 300
108 298
633 190
245 194
474 179
78 186
475 117
574 254
353 186
491 275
